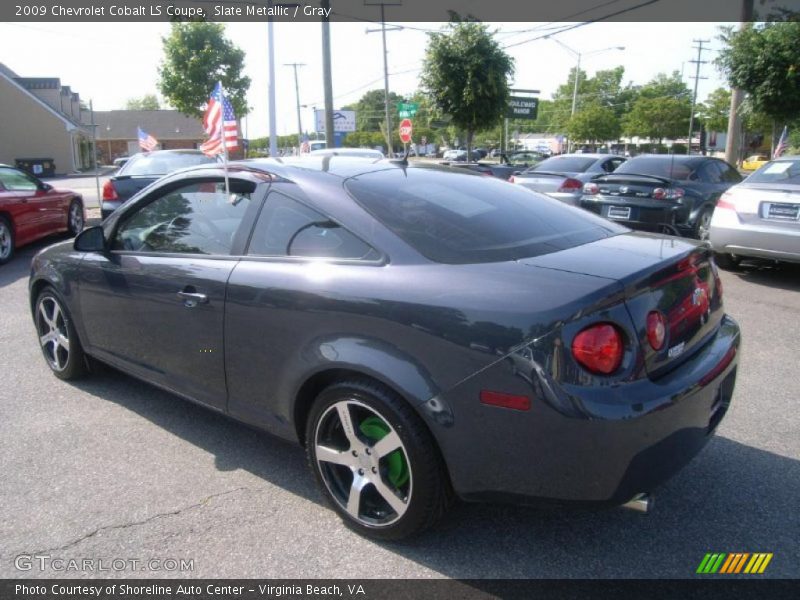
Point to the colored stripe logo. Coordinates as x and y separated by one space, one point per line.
734 562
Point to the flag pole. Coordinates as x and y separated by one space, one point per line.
224 145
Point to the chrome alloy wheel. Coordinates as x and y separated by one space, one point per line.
363 463
76 218
53 333
6 242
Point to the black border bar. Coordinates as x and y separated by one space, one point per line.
398 11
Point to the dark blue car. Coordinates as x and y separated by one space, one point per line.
425 333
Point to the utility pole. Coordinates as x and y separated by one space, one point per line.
327 82
737 95
697 79
383 4
297 91
94 152
273 133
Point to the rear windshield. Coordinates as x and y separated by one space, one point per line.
459 218
777 171
659 166
161 164
565 164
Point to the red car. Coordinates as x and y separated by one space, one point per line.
31 209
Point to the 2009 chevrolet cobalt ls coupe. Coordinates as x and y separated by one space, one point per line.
425 333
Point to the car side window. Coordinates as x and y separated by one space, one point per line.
286 227
198 218
729 174
17 181
710 172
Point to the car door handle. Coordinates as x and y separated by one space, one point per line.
191 298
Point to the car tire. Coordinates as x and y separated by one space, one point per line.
726 261
75 218
6 240
359 471
58 339
702 225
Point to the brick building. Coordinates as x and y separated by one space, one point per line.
116 131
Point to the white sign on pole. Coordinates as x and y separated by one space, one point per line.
343 120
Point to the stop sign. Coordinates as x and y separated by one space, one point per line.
405 131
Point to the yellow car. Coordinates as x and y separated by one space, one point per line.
751 163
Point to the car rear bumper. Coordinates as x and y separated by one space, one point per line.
646 215
585 445
109 206
729 235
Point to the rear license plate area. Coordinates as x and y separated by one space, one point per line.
781 211
621 213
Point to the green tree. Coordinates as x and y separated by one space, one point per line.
196 56
764 61
661 109
146 102
657 118
370 110
714 111
466 74
594 124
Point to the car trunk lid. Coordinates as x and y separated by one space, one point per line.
672 276
128 185
543 181
633 186
767 204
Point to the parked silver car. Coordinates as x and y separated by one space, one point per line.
760 217
563 176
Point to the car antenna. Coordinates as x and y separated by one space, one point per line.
402 161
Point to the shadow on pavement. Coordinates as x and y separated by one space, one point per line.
785 276
20 266
731 498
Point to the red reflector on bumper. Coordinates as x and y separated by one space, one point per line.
505 400
721 366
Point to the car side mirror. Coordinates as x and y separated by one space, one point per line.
45 187
92 239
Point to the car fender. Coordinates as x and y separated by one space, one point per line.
373 357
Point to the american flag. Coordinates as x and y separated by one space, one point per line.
146 141
782 143
305 147
219 122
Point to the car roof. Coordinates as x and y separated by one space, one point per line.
595 155
329 167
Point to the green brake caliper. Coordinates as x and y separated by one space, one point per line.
375 429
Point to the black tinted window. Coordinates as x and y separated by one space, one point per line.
658 166
464 218
729 174
199 218
565 164
710 172
288 228
161 163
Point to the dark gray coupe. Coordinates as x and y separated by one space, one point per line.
425 333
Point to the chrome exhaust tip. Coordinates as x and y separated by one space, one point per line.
643 503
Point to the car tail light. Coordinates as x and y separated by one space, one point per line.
656 330
570 185
726 202
505 400
599 348
591 189
668 193
109 193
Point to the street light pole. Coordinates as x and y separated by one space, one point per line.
383 30
273 133
575 87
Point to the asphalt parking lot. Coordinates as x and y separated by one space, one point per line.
113 468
